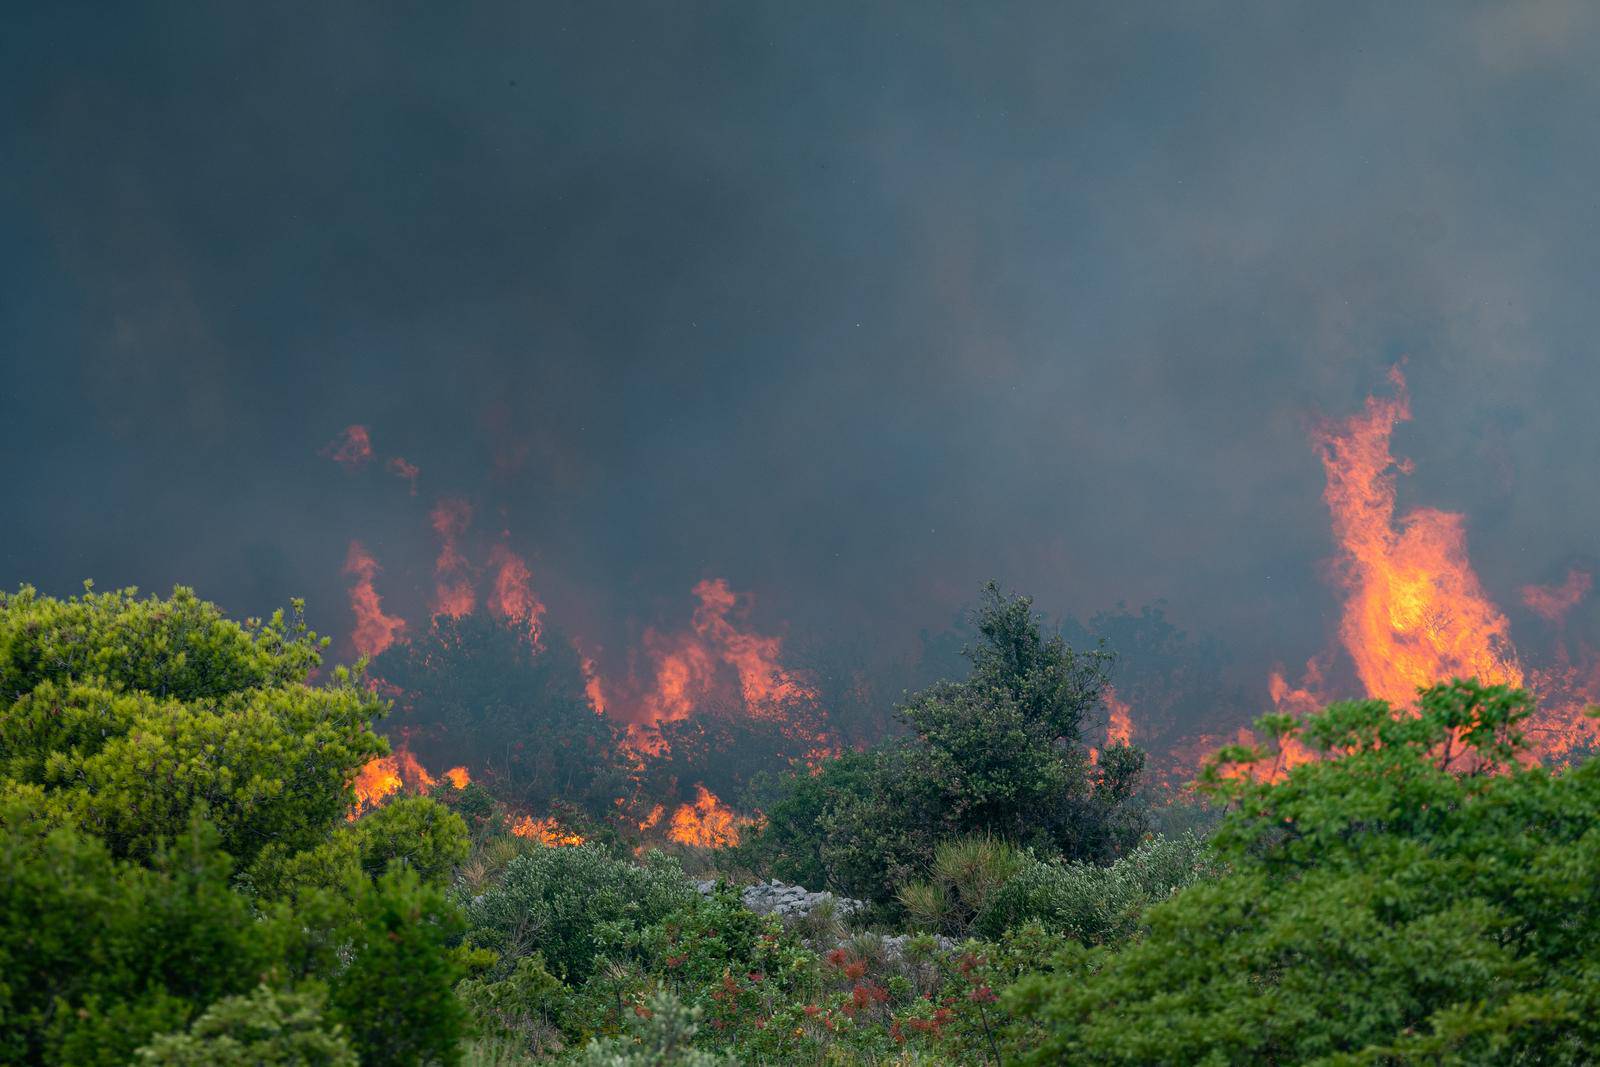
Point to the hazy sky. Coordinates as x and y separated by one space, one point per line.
855 305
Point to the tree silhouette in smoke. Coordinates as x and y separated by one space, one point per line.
475 690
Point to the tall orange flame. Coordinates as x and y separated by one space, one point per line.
453 595
375 783
764 682
1416 613
374 631
513 598
1119 726
593 688
717 659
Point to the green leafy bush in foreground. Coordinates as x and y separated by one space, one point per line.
998 753
264 1029
1416 896
172 836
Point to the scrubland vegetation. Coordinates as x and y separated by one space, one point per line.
180 883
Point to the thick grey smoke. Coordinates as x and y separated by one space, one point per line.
853 305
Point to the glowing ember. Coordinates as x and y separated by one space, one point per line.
1552 602
352 449
453 595
546 831
708 822
512 598
374 631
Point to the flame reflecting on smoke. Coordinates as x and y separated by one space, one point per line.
374 631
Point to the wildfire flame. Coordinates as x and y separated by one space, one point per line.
717 656
593 688
383 778
453 595
547 831
407 472
513 598
374 631
1119 726
1416 613
707 823
1553 602
352 449
375 783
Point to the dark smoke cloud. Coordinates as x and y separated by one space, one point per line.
854 305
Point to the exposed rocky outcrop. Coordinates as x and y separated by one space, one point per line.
788 902
794 904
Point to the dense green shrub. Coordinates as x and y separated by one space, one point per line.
529 1008
661 1034
396 997
967 872
1416 896
998 753
1091 903
172 835
569 904
264 1029
98 953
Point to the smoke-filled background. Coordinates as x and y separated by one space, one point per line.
839 309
